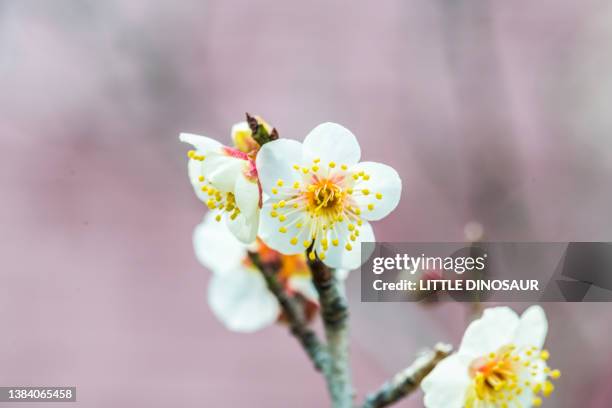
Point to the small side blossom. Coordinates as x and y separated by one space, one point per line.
225 179
500 363
319 197
237 293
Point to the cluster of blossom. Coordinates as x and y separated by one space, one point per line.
286 202
501 363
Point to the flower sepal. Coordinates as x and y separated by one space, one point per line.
260 131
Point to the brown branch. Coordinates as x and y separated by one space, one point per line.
297 324
408 380
334 312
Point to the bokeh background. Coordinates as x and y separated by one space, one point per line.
494 113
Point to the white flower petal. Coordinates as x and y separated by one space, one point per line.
246 193
496 328
240 127
331 142
532 328
525 398
242 301
275 161
222 170
447 384
384 188
242 138
202 143
269 230
215 246
304 285
342 274
244 226
194 170
338 256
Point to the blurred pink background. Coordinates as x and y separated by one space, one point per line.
494 112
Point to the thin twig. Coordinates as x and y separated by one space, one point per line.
307 337
334 311
408 380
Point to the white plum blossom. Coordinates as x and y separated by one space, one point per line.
237 293
500 363
317 195
225 178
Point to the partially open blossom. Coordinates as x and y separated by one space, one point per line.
500 363
225 179
238 294
318 195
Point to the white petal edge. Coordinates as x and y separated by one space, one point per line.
496 328
384 180
201 143
246 193
241 300
446 385
331 142
275 161
532 328
215 246
244 227
194 171
240 127
338 257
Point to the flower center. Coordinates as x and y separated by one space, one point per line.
501 378
323 207
324 197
